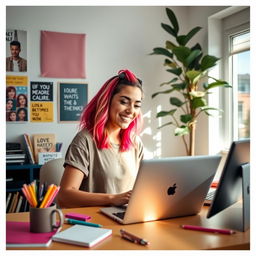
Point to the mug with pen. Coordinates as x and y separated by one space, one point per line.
42 210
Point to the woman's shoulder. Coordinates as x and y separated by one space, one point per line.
138 142
83 136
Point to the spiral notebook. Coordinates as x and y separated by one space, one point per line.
82 235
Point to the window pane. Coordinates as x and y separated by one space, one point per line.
240 42
241 93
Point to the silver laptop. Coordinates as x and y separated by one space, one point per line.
166 188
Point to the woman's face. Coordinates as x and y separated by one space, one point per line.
124 107
9 105
13 116
11 94
22 115
22 100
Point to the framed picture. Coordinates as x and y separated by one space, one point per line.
72 97
16 50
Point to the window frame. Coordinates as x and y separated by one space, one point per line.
219 137
228 123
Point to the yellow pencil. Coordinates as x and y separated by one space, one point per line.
49 190
52 196
32 195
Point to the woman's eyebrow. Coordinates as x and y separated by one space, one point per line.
128 98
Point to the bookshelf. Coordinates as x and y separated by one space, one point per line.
24 173
16 176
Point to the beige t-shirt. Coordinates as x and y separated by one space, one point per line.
105 170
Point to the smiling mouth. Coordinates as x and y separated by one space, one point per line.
125 119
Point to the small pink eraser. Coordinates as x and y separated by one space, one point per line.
78 216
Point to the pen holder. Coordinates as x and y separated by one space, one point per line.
43 220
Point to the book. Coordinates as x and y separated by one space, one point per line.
43 143
29 148
8 200
19 203
19 235
82 235
13 202
15 156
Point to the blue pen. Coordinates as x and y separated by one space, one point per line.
80 222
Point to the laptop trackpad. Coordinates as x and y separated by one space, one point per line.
114 211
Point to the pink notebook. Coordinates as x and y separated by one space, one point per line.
18 235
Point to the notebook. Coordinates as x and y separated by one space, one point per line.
166 188
18 235
82 235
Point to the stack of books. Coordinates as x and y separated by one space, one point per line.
15 155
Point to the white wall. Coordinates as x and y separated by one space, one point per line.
116 38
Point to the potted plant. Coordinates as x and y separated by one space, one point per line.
189 68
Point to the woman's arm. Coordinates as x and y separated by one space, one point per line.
70 196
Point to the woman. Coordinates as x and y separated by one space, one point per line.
12 116
22 114
102 161
22 101
10 92
10 105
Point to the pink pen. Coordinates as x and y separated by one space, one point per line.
213 230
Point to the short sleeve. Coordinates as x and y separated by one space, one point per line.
78 154
140 148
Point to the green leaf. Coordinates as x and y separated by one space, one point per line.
173 20
181 53
192 56
166 113
180 40
217 84
176 71
208 61
193 75
185 118
162 51
176 102
162 92
181 131
169 63
206 108
195 63
169 29
170 45
180 86
198 102
169 123
183 39
172 81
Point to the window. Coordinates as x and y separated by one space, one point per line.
240 73
229 39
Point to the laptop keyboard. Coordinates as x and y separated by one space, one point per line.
119 214
209 197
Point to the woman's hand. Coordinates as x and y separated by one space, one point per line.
120 199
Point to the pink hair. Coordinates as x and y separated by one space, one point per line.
95 115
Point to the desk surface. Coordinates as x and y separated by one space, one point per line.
162 234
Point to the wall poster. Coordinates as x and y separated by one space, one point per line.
41 101
72 98
16 99
16 50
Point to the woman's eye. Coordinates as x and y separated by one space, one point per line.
124 102
137 106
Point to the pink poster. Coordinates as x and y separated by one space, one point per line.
62 55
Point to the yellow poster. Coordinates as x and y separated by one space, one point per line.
41 111
17 80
